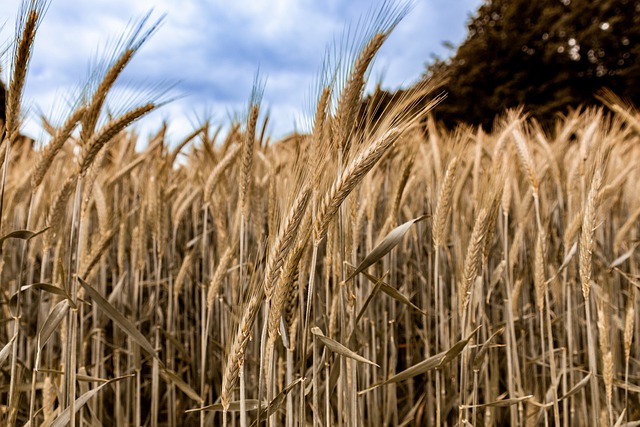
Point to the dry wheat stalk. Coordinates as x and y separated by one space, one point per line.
539 276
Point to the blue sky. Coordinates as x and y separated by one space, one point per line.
212 49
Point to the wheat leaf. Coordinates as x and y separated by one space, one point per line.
483 351
64 417
622 258
251 405
426 365
393 292
579 386
336 347
499 403
620 418
390 241
6 350
47 287
22 234
119 319
172 377
53 321
276 403
373 293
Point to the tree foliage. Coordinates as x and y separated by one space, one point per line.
548 55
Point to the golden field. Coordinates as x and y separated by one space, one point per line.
377 270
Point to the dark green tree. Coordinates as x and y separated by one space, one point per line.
548 55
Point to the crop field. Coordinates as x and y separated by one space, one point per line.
377 270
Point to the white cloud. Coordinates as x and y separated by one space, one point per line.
214 48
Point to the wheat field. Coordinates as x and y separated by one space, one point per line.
377 270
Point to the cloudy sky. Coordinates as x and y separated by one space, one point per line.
211 50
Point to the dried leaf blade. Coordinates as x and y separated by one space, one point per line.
6 350
336 347
22 234
117 317
426 365
172 377
390 241
52 322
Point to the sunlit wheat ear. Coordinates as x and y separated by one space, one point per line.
539 276
392 211
30 15
622 108
351 176
472 259
573 228
496 184
606 355
629 321
285 240
379 27
220 168
589 223
525 159
350 100
248 144
58 209
318 148
444 203
507 193
108 131
61 136
284 294
124 51
220 273
236 356
95 105
183 274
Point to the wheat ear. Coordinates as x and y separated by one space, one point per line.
235 359
28 24
351 176
220 273
444 203
285 239
588 230
349 101
472 259
106 133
